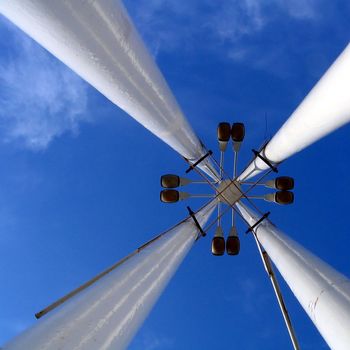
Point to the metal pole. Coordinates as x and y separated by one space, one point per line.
323 292
269 270
107 314
324 109
235 161
98 40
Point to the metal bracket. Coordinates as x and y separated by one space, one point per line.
265 160
251 228
191 212
192 166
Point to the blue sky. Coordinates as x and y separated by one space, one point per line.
79 186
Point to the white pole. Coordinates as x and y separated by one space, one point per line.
107 314
325 108
98 41
323 292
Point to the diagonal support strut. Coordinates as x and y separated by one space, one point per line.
268 267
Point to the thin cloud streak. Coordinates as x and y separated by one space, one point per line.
177 24
40 99
150 340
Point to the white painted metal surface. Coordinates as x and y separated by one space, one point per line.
230 192
323 292
325 108
98 40
108 314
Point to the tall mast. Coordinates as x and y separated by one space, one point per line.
324 109
107 314
323 292
98 41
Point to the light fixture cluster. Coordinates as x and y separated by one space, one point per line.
228 190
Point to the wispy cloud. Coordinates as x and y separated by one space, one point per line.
154 342
40 99
240 19
149 340
233 20
170 24
301 9
230 29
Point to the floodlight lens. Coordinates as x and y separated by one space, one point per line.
284 197
170 181
232 245
224 131
238 132
284 183
218 246
169 196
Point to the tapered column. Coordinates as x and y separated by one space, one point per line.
323 292
98 41
325 108
107 314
